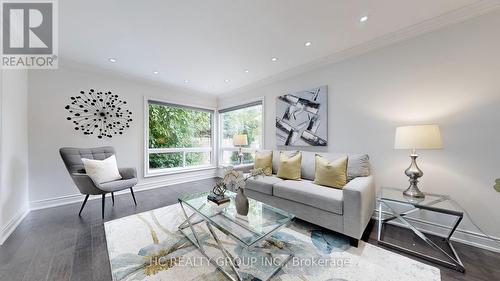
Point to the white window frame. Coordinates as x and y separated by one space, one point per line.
220 149
166 171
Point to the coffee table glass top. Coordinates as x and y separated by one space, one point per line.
262 220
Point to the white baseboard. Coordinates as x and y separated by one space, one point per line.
463 236
7 230
141 186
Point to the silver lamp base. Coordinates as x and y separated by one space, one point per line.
414 173
240 156
413 192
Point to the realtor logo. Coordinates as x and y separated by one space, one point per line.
29 33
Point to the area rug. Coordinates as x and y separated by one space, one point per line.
148 246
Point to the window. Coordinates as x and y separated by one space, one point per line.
179 137
245 119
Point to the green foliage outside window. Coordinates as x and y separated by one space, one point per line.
165 160
177 127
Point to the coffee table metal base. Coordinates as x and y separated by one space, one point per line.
196 241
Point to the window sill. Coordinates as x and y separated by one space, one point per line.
236 166
172 171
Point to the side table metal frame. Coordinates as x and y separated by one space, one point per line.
453 261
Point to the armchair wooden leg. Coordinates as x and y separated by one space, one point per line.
103 203
133 196
83 205
113 197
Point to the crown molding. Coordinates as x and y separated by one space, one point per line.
476 9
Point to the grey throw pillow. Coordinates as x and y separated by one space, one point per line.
358 166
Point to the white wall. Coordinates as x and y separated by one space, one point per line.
450 77
50 92
13 150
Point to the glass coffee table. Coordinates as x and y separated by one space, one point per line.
248 231
418 215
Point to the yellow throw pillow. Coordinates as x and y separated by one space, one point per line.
289 168
332 174
264 161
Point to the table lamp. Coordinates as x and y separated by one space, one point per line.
416 137
240 140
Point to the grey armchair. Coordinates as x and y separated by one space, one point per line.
72 158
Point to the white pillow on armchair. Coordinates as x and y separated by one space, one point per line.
101 171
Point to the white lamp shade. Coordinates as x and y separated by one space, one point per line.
240 140
418 137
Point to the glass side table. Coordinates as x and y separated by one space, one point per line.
396 209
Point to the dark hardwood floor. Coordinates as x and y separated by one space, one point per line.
55 244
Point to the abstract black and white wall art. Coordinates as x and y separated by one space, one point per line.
98 113
301 118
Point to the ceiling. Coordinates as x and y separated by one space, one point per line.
206 46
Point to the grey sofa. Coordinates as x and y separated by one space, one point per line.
346 210
72 158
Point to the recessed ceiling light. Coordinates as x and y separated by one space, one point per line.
274 59
307 44
246 70
227 80
155 72
113 60
363 19
186 81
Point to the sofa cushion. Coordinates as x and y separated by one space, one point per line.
264 160
276 158
290 166
263 184
276 161
331 173
358 165
308 193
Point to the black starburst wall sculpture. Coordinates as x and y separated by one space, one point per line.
98 113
